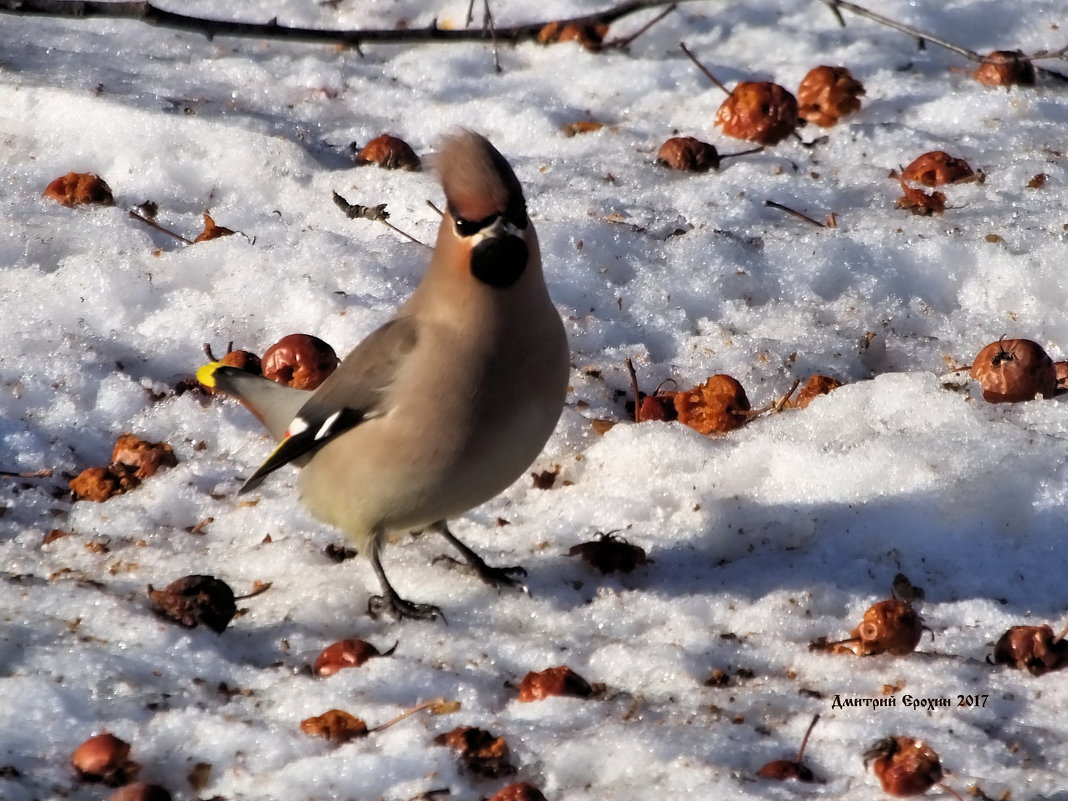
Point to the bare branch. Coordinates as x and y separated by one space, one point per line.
794 212
157 227
703 68
143 11
852 8
354 211
624 42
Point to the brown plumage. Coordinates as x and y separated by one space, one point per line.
448 403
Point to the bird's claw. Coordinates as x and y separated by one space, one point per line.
400 609
504 577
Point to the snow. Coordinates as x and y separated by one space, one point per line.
762 540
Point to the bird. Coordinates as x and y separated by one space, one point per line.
446 404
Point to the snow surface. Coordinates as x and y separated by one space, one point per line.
775 535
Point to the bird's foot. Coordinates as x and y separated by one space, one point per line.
509 577
498 577
494 576
401 609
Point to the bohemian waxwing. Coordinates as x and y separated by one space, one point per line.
448 403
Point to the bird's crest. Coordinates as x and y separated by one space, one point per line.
478 182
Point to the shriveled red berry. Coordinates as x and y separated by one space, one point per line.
715 407
758 111
827 94
388 152
1031 648
1014 370
195 600
1006 68
335 725
80 189
520 791
688 154
343 654
560 680
301 361
937 168
479 751
140 791
904 766
104 758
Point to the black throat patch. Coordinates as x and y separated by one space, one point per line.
499 261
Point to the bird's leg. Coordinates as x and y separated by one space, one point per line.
494 576
390 602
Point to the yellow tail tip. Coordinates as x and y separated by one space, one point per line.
206 374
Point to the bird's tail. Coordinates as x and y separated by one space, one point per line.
275 405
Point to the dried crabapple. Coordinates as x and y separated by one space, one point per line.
1006 68
904 765
351 653
782 769
937 168
80 189
243 360
388 152
758 111
714 407
827 94
195 600
1014 370
146 458
610 554
1061 370
211 230
1031 648
479 751
519 791
335 725
301 361
104 758
817 385
101 483
553 681
140 791
919 202
888 627
688 154
581 127
589 35
656 407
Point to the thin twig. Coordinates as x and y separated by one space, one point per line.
860 11
354 211
407 713
794 213
146 12
624 42
780 404
703 68
157 227
46 473
487 22
435 208
634 388
804 740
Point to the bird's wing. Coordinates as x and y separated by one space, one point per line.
352 394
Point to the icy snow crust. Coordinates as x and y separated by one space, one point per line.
776 534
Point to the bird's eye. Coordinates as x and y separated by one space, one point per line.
470 228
